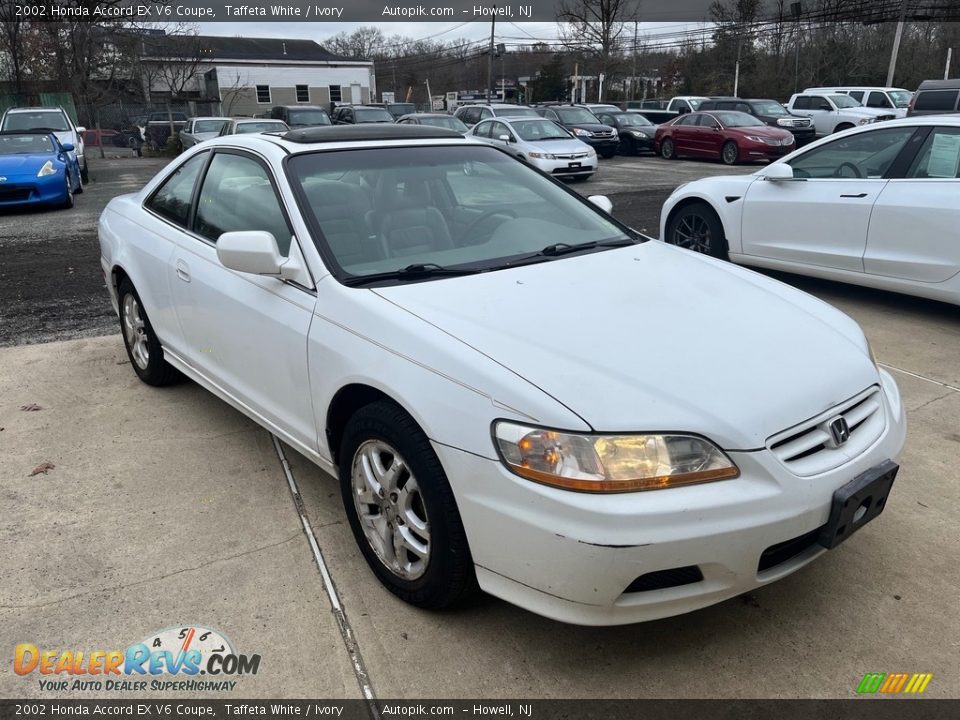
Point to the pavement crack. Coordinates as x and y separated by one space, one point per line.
157 578
928 402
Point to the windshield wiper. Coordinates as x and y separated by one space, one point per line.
417 271
558 249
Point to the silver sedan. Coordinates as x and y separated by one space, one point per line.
540 142
199 129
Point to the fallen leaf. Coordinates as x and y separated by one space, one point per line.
43 468
32 407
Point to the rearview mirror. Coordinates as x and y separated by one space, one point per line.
67 146
602 202
779 172
250 251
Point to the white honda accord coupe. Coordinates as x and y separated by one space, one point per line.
877 206
516 391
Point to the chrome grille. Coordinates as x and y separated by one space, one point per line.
571 156
811 448
603 134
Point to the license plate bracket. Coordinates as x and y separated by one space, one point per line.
573 165
857 503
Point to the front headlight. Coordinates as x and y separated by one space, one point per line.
581 132
610 463
785 122
542 156
47 169
639 134
865 121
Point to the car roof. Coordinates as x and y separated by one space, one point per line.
34 109
433 114
359 133
951 84
209 117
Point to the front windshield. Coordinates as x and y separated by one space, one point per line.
449 122
259 127
633 120
473 207
373 115
575 116
208 126
25 144
695 102
52 120
770 108
736 119
537 130
844 101
517 112
901 98
308 118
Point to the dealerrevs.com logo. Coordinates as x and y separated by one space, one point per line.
170 660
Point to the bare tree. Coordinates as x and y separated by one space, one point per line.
594 27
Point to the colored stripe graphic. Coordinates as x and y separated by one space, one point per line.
894 683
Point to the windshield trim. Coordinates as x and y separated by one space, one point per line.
341 276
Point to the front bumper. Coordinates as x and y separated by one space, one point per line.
22 190
562 168
572 556
762 151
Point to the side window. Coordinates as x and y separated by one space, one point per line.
935 100
802 103
743 107
485 113
940 155
482 130
877 100
473 115
865 155
237 195
687 120
172 199
708 121
682 106
856 95
553 115
499 129
819 103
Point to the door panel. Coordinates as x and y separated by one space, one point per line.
817 222
247 333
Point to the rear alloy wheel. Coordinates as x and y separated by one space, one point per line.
696 227
730 153
667 151
143 347
401 508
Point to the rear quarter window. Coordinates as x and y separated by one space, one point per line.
936 100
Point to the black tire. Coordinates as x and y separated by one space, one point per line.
667 150
697 227
79 189
730 153
607 154
84 172
843 126
632 148
155 371
68 203
448 576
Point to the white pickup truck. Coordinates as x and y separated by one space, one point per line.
832 113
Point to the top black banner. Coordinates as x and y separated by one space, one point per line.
451 11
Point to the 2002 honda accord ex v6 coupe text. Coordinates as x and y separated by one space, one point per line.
516 391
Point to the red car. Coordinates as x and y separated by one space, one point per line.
725 134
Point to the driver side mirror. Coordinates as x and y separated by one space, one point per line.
81 130
67 147
250 251
504 138
779 172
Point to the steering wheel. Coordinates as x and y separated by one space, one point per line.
485 216
839 171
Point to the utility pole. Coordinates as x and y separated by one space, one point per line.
896 43
633 75
796 9
576 82
946 69
493 25
736 71
429 95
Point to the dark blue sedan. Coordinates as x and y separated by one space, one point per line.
37 169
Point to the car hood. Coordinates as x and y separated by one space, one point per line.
761 130
866 112
592 127
564 147
24 164
655 338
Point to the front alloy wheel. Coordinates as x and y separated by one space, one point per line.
401 508
697 227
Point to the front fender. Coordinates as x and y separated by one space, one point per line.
724 194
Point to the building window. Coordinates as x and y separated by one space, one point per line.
303 93
263 94
335 95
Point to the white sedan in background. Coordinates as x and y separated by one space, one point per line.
540 142
456 337
877 206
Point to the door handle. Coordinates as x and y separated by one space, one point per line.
858 195
183 271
